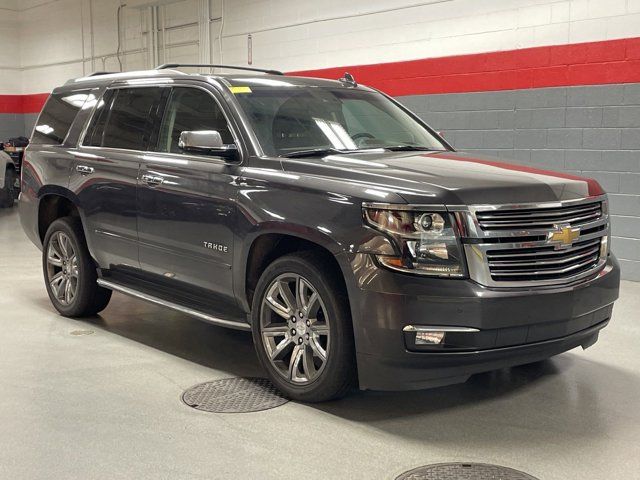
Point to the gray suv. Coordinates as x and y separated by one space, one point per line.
358 247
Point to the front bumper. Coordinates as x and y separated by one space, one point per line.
516 326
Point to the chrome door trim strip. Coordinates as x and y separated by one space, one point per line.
174 306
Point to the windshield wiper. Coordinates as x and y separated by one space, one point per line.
315 152
409 148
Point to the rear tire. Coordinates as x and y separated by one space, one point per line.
8 191
304 336
69 271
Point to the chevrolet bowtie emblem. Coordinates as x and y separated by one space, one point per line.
563 236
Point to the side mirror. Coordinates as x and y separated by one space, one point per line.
207 141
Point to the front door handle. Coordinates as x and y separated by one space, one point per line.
84 170
152 180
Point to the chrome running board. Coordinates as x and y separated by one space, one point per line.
174 306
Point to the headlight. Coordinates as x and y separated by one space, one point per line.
427 241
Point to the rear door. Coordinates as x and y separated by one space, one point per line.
106 170
186 202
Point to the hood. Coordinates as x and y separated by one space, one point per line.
452 178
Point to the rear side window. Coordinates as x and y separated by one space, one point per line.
123 118
57 116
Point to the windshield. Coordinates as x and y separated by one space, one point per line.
290 119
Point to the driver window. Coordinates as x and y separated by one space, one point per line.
190 109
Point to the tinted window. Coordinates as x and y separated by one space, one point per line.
124 118
57 116
190 109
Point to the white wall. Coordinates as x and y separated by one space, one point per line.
88 42
52 37
10 74
406 29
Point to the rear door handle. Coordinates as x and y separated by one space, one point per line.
84 170
152 180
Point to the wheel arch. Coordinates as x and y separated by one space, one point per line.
266 245
55 202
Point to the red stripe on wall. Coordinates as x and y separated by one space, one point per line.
22 103
594 63
34 103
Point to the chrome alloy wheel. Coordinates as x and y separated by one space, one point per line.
294 327
62 268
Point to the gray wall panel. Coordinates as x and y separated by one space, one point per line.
592 131
29 122
11 125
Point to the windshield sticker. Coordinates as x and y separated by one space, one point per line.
235 90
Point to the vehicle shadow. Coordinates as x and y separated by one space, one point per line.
561 399
177 334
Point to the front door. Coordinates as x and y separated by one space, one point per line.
186 202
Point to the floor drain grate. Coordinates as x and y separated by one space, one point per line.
234 395
464 471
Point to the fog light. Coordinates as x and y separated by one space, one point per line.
429 338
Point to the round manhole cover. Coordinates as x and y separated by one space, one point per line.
234 395
464 471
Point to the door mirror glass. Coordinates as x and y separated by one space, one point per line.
206 141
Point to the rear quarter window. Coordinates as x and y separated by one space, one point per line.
57 116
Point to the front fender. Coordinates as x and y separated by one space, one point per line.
302 232
277 203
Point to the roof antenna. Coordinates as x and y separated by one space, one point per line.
348 79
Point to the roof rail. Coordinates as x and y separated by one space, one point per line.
100 73
206 65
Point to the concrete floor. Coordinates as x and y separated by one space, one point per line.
107 405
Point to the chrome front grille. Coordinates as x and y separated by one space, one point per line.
543 262
539 217
535 245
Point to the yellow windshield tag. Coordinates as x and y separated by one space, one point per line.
235 90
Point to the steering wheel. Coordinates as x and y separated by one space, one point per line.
361 135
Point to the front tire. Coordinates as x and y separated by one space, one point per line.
69 272
302 328
8 190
